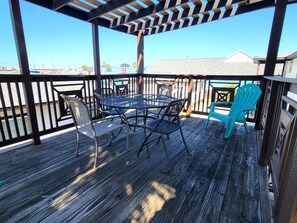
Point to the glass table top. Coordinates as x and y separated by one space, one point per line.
138 101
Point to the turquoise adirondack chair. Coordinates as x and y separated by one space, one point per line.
245 101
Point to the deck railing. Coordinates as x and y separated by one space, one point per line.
279 147
53 115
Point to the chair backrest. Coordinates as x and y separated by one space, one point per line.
173 110
103 93
121 87
246 96
80 114
165 90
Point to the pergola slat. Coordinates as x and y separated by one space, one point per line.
212 17
106 8
146 12
189 12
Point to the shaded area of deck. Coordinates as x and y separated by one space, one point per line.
220 182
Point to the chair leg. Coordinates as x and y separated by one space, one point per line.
144 143
127 130
206 123
166 153
229 128
246 127
77 142
96 153
186 147
114 136
136 119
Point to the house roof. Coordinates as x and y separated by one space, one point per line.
152 16
239 63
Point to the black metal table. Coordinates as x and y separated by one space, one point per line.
142 102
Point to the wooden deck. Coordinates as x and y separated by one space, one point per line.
220 182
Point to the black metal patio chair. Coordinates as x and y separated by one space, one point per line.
108 111
167 124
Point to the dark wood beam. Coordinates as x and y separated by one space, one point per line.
275 36
66 10
113 4
19 36
208 18
57 4
147 11
96 52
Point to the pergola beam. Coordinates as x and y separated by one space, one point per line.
66 10
185 13
147 11
57 4
112 5
208 18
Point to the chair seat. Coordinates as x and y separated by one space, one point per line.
164 127
222 117
101 127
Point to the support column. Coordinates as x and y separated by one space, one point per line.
271 58
275 36
140 61
190 89
19 37
96 52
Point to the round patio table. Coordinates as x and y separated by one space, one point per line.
138 101
144 102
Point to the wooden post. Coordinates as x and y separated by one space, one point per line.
190 89
96 52
271 123
17 24
140 61
275 36
271 58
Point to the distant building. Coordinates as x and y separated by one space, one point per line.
290 69
239 63
284 61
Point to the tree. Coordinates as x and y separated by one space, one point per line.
106 66
84 67
134 64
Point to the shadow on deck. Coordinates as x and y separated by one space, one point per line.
220 182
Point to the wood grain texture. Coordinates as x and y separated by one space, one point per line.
220 182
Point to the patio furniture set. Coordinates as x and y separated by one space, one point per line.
164 121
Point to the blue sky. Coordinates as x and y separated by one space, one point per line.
55 40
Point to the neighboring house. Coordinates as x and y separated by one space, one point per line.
290 69
239 63
283 63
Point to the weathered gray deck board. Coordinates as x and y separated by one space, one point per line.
220 182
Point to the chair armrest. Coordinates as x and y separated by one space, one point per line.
249 108
213 104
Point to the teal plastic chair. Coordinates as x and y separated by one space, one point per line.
245 101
